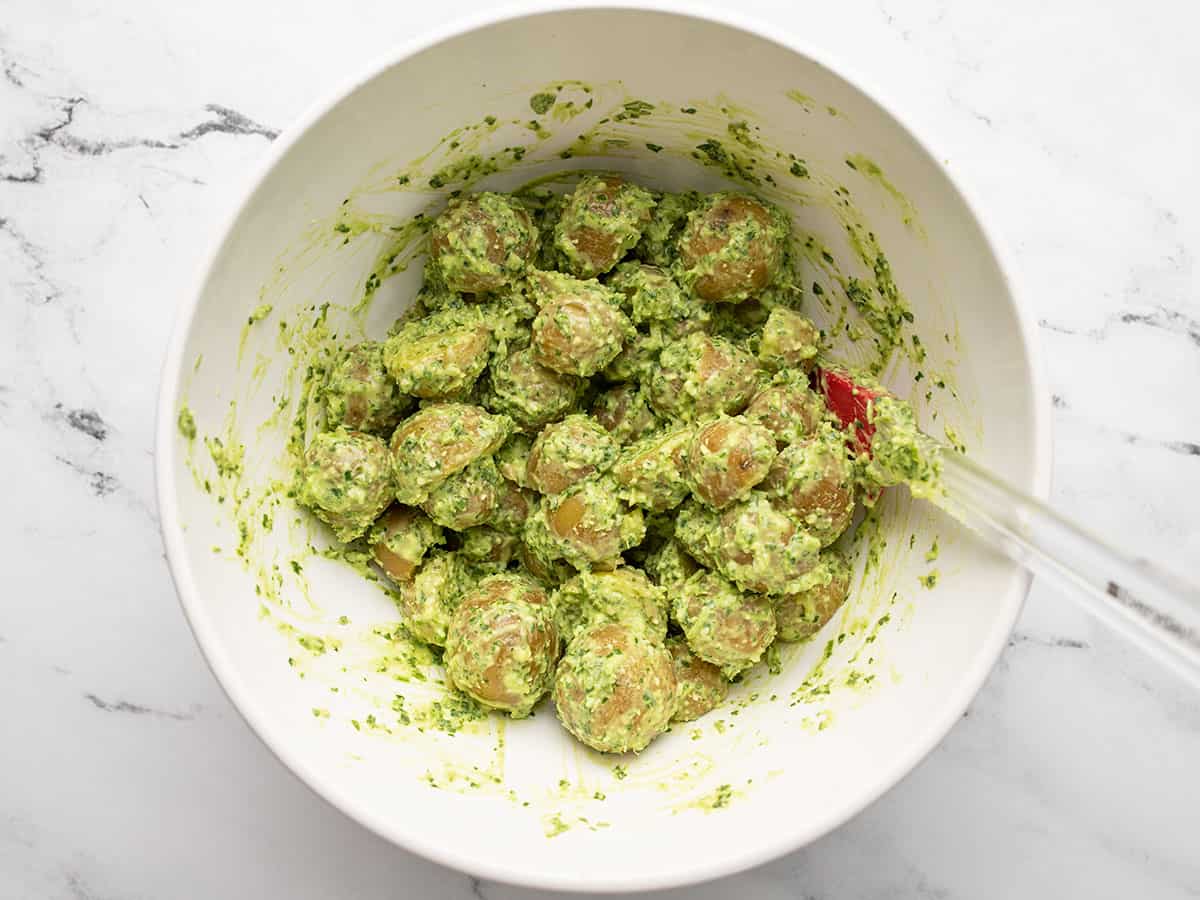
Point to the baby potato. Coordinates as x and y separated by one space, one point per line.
514 504
660 237
730 322
751 543
509 313
359 395
724 626
726 458
427 603
813 482
624 595
615 688
701 376
699 685
488 548
433 296
802 613
466 498
579 327
537 560
346 481
439 440
650 473
545 207
624 413
533 395
600 220
512 459
731 248
760 548
697 530
586 525
670 566
440 356
501 645
789 341
481 243
567 452
789 410
401 539
637 359
664 331
650 295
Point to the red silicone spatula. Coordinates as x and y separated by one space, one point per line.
1156 609
849 402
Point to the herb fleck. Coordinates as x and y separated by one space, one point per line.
634 109
187 423
541 103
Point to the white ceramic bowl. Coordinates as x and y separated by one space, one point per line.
762 776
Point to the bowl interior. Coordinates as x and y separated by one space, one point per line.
324 250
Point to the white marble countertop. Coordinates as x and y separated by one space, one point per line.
126 129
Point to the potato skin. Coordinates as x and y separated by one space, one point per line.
723 625
699 376
502 644
359 393
615 688
731 248
623 411
790 411
600 220
700 687
579 328
587 525
439 440
400 540
346 480
481 243
812 481
801 614
727 457
567 452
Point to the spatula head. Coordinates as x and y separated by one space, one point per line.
849 401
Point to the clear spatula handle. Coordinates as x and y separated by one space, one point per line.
1155 609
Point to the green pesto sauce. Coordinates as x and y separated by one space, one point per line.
900 452
730 162
186 423
802 98
541 103
743 133
554 825
259 313
469 168
718 799
870 169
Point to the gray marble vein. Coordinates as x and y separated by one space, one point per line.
134 709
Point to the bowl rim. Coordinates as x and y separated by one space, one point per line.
693 871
